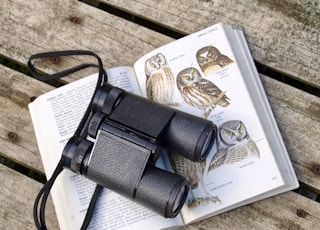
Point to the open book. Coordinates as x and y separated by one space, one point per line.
210 74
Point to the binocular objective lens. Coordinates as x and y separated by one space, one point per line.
179 200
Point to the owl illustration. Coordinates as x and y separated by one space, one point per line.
160 80
193 172
210 59
233 145
199 92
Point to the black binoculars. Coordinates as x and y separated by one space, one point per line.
127 134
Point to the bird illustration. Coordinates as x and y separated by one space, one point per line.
210 59
160 83
233 145
199 92
193 172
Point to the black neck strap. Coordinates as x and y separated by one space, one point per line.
41 199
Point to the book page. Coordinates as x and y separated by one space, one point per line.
200 74
55 116
266 115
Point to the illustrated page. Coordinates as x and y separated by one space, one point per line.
56 116
199 74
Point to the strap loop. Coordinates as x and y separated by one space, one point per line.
82 131
68 71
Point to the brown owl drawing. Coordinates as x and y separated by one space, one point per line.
193 172
199 92
160 83
210 59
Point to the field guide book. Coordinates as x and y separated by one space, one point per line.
210 74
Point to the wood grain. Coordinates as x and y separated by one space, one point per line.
296 113
16 91
279 212
298 118
17 196
275 213
284 35
40 26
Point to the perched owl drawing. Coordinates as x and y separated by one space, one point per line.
233 145
193 172
199 92
160 83
210 59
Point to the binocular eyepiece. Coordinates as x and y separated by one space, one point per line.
129 134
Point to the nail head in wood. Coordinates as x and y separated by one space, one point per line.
301 213
12 136
316 169
55 60
75 20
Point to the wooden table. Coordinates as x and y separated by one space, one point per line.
284 38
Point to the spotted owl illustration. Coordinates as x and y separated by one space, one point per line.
193 172
233 145
160 80
210 59
199 92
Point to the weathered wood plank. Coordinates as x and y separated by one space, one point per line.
17 196
39 26
298 118
284 35
275 213
279 212
16 91
29 27
296 112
